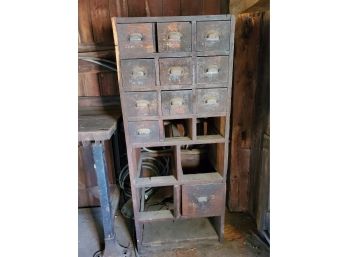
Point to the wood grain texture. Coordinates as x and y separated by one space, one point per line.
136 8
155 7
171 7
211 7
191 7
246 65
101 25
84 21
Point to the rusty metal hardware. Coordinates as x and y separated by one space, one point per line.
212 36
174 36
176 71
177 101
135 37
138 73
143 131
142 103
210 100
212 70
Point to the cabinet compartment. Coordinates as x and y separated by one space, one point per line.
140 104
212 69
180 128
175 71
213 35
211 101
143 131
136 38
138 74
174 36
203 200
210 126
177 102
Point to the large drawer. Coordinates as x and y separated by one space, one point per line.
212 69
174 37
177 102
175 71
136 38
139 73
141 104
143 131
203 200
213 35
211 101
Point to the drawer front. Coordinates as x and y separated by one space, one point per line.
175 71
141 104
136 38
174 37
143 131
210 101
138 73
203 200
177 102
213 35
212 69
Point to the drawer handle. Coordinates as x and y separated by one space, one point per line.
174 36
212 36
212 70
135 37
142 103
202 199
143 131
177 101
211 100
138 73
176 71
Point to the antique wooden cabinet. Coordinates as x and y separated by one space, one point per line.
175 77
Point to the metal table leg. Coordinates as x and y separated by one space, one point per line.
112 248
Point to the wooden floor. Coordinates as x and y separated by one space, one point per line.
240 239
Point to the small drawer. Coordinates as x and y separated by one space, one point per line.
174 37
141 104
136 38
212 100
213 35
203 200
139 73
177 102
212 69
175 71
143 131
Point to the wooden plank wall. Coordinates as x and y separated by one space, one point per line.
95 39
250 107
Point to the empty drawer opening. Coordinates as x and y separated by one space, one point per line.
181 128
156 203
201 159
157 162
211 126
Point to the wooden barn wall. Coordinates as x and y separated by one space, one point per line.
95 39
250 110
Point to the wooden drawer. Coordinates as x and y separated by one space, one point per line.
212 69
141 104
136 38
138 73
143 131
212 100
177 102
174 37
175 71
213 35
203 200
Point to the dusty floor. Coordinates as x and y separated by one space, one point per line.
240 239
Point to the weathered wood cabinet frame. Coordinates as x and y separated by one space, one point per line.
211 182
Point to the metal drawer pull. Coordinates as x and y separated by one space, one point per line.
135 37
210 100
142 103
212 70
174 36
176 71
138 73
202 199
177 101
212 36
143 131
